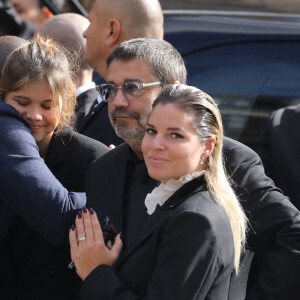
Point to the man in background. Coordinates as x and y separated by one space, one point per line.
112 22
66 30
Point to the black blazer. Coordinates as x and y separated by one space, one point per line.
279 149
96 123
183 251
40 267
274 231
85 101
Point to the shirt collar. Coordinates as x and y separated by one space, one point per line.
85 87
165 190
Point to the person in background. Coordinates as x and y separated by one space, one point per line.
112 22
12 24
8 44
137 71
36 81
279 149
66 30
32 11
195 232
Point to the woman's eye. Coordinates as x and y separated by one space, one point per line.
150 131
21 103
46 107
175 135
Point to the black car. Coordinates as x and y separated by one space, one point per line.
248 62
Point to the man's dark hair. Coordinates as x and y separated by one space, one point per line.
166 62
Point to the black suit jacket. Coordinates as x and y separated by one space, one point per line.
85 101
279 149
274 231
41 268
183 251
96 123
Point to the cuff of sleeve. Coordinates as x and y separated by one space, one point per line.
99 284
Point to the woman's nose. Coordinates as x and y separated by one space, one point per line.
158 143
34 114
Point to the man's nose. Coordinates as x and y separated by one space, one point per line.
120 99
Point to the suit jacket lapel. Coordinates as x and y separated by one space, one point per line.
161 212
94 111
114 205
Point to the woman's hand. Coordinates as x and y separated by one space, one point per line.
87 245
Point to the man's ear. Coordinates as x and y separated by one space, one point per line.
113 33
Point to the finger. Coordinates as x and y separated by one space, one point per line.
111 146
80 227
98 235
117 246
88 227
73 241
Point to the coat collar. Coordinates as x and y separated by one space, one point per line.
57 153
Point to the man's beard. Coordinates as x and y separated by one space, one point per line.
129 131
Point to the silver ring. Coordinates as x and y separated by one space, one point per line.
81 239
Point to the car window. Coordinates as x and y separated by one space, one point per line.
249 74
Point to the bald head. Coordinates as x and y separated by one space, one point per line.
66 30
114 21
7 45
138 18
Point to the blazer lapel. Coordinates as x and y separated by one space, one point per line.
114 204
94 111
161 212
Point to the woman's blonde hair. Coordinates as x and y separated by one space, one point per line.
208 123
41 59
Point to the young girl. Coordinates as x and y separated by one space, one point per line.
36 80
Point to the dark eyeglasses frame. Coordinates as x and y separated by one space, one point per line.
140 86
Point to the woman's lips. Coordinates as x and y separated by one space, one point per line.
157 158
35 127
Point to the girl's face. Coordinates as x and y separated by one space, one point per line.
171 146
34 103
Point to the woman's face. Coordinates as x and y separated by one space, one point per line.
171 146
33 102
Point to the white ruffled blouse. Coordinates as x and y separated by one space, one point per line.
165 190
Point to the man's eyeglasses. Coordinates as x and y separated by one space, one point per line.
131 90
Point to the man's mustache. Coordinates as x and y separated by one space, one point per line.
124 112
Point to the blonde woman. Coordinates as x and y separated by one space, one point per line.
192 241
